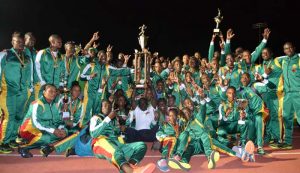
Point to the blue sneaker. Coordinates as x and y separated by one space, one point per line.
162 165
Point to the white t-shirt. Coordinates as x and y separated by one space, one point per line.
143 119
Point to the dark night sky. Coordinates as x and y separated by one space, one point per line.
175 27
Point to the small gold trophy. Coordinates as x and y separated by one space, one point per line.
242 105
218 20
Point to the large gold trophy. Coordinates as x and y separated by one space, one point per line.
139 77
218 20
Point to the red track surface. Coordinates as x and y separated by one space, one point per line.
281 161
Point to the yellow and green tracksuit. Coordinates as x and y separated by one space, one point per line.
233 76
154 76
167 134
105 144
257 110
178 90
272 95
291 104
250 68
75 109
15 86
194 139
229 124
211 52
91 96
50 70
73 66
125 75
32 54
39 124
210 119
36 85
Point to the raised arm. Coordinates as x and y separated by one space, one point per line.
91 42
257 52
211 49
229 36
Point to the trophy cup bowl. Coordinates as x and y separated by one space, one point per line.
143 41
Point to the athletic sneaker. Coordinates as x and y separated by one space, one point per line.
149 168
175 163
21 141
248 152
238 151
5 148
275 145
213 158
69 152
286 146
260 151
162 165
45 151
156 145
24 152
13 144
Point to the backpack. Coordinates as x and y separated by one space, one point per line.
83 143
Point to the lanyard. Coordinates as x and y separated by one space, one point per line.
21 59
54 59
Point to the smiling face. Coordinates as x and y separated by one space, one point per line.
266 54
230 93
55 42
289 49
185 59
29 41
162 106
192 63
157 67
18 43
188 77
177 66
75 91
172 116
121 101
171 101
187 113
245 79
50 93
215 64
143 104
106 107
70 49
159 86
205 81
189 104
229 61
102 57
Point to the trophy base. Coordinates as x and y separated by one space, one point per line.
241 122
217 31
140 86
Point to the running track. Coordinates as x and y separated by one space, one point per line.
281 161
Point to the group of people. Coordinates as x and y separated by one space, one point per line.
86 102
